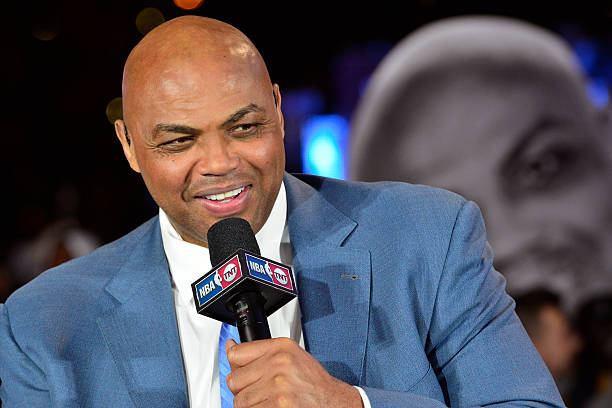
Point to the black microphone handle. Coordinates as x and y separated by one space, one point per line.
251 320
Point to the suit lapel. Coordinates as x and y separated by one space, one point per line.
141 331
333 281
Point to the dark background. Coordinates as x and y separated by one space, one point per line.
56 134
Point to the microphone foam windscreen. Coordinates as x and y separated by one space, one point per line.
227 236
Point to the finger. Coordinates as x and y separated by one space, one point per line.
245 353
273 391
261 404
261 369
241 377
229 344
275 368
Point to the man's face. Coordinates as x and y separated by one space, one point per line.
530 154
208 141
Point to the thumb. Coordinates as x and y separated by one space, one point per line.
229 344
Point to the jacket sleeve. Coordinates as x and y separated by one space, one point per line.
476 344
23 382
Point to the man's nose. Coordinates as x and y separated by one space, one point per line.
216 156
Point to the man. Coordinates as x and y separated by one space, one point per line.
397 294
496 109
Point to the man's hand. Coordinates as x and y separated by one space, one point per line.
279 373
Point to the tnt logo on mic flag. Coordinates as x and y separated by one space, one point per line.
270 272
281 276
229 273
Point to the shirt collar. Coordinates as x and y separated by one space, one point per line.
188 262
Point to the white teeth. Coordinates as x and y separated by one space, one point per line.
227 194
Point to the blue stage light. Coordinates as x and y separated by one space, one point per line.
599 92
324 145
587 54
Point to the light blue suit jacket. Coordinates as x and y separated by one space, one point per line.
397 294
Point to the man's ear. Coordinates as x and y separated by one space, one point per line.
277 101
127 143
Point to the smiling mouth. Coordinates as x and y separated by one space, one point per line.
222 199
226 196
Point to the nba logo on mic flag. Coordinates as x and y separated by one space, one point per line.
213 284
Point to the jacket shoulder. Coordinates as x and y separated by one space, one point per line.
385 197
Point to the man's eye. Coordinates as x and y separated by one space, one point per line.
245 128
177 143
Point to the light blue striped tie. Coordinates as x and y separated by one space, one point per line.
227 331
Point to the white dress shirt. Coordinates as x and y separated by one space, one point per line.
199 335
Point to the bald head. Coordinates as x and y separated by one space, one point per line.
211 47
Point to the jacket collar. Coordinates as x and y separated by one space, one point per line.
312 219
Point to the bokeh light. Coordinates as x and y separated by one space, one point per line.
46 23
586 51
148 19
324 139
43 33
188 4
599 92
114 110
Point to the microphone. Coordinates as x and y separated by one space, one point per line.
242 288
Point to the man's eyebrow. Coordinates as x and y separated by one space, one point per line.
236 116
174 128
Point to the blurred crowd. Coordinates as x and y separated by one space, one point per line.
496 110
52 237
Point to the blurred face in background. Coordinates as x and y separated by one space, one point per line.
496 109
556 342
522 140
530 151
